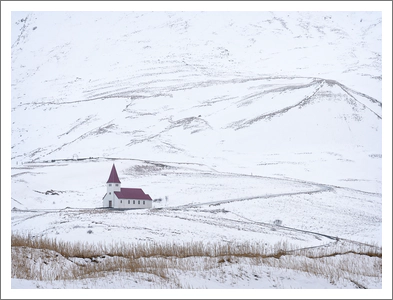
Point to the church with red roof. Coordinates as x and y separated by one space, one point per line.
118 197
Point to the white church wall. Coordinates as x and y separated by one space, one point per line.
133 203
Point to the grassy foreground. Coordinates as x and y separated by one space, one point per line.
40 258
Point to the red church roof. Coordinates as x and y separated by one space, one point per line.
113 178
127 193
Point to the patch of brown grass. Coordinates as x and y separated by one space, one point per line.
41 258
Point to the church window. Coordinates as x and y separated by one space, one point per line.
110 184
143 202
128 201
139 202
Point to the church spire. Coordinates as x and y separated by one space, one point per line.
113 178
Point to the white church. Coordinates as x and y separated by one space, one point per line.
118 197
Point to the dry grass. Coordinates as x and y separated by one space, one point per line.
39 258
149 249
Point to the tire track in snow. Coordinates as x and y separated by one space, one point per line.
19 221
321 189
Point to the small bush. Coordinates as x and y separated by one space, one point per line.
277 222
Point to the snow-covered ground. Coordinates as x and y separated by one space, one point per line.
230 121
65 208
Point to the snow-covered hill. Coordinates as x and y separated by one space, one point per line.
175 80
82 53
194 86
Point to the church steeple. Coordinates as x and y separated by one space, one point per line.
113 178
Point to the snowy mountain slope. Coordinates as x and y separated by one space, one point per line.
129 78
140 47
178 87
319 112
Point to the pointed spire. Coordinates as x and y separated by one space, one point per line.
113 178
